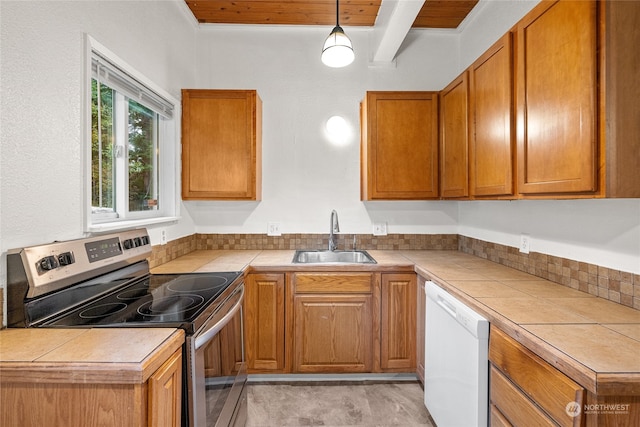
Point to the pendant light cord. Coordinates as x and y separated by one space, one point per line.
337 13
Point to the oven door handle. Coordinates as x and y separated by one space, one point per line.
211 331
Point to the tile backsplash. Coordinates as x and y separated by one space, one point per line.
614 285
179 247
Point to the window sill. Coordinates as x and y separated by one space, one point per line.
126 225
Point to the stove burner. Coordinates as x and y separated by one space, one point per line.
102 310
170 305
195 284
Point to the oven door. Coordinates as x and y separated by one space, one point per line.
216 374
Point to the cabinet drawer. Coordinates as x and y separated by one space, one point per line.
513 404
333 283
544 384
496 419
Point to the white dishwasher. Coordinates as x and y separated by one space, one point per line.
456 369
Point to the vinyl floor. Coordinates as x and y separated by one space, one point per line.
337 404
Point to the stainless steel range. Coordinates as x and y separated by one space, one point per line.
104 281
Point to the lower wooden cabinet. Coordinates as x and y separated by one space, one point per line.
332 322
398 322
332 333
526 390
264 309
165 393
154 403
421 305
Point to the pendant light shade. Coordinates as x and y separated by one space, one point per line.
337 50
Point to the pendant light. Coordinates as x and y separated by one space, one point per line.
337 51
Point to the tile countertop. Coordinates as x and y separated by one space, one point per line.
594 341
85 355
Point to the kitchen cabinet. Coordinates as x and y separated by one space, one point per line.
492 138
556 97
420 326
398 322
332 322
399 146
165 393
526 390
576 101
265 322
454 139
619 126
221 144
74 377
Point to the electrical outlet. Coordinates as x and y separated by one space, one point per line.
273 229
380 229
525 240
163 237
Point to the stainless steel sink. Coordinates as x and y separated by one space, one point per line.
332 257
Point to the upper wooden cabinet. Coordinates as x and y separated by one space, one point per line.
399 147
577 99
221 144
454 142
619 92
556 96
492 140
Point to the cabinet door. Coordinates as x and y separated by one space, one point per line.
454 161
398 351
492 141
165 393
265 322
399 148
221 144
420 327
333 333
556 98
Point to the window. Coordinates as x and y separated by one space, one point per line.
132 147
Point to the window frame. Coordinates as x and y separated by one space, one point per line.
168 153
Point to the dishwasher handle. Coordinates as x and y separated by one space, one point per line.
448 307
473 322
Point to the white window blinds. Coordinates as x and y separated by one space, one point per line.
105 72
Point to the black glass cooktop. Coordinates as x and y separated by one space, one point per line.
171 300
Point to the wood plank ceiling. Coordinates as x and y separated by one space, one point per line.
434 13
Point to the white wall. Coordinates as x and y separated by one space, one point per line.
41 70
304 175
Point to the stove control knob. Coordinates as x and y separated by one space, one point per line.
145 240
137 241
66 258
128 244
48 263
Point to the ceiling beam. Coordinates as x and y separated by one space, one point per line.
393 22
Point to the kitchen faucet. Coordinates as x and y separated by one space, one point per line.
334 227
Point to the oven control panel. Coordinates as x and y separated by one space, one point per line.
59 264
